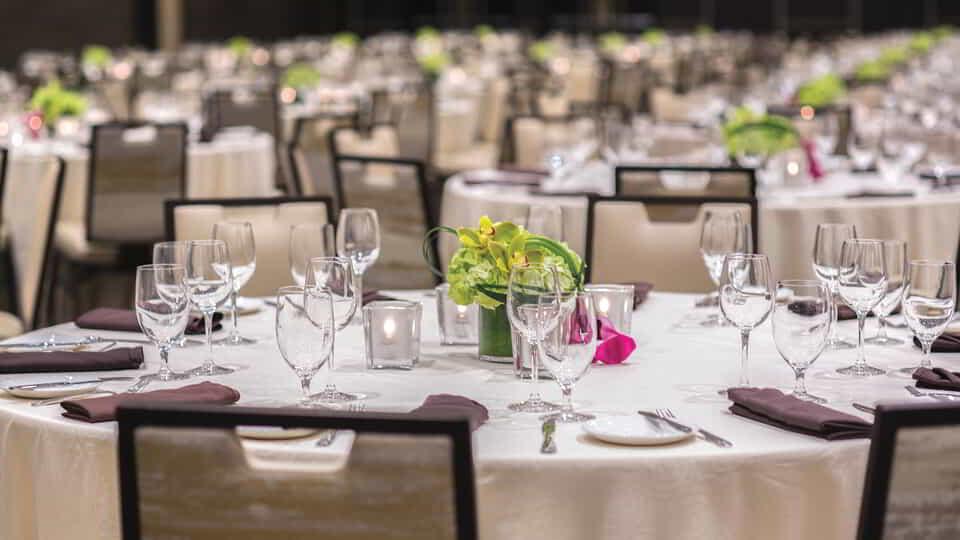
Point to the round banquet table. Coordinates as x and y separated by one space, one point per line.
928 221
58 477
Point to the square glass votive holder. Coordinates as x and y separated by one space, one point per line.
615 302
392 334
459 325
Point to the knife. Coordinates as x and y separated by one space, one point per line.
672 423
35 386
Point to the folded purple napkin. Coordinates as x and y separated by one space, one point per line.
58 361
844 312
104 409
453 406
125 320
937 379
946 343
774 408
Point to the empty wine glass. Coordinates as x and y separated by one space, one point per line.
308 241
238 236
545 220
569 349
929 302
895 259
174 252
209 280
861 282
826 265
334 275
358 239
305 333
722 233
746 298
801 323
530 318
163 310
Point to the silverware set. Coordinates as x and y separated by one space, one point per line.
939 396
667 416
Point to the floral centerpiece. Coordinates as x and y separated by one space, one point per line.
748 133
612 42
240 46
821 91
541 51
96 56
479 272
301 75
53 102
345 40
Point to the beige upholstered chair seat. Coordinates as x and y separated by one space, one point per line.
70 239
10 325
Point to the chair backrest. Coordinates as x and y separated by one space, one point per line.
529 136
685 181
494 109
247 106
397 189
912 485
184 473
666 253
272 219
31 202
309 154
133 168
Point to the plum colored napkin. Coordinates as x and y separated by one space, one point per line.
937 379
58 361
775 408
453 405
125 320
946 343
614 347
104 409
503 177
844 312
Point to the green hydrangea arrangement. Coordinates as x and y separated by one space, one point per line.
921 42
240 45
346 40
821 91
654 36
53 102
483 31
872 71
96 56
301 75
434 63
612 42
751 133
427 33
541 51
479 270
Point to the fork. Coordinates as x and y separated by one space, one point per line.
327 438
141 383
702 433
941 396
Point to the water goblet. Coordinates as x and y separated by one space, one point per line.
163 310
532 320
173 252
929 301
305 333
746 299
238 236
861 282
568 350
308 241
801 323
895 259
209 281
722 233
358 239
826 265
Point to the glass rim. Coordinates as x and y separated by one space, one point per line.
310 224
391 305
801 283
330 258
931 262
757 256
206 242
234 222
864 241
612 287
171 243
156 266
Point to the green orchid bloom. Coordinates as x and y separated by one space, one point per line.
749 132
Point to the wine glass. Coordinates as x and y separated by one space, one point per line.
307 241
929 301
238 236
826 133
530 318
174 252
305 333
722 233
895 259
163 310
545 220
826 265
334 275
861 282
209 280
568 351
746 298
358 239
801 324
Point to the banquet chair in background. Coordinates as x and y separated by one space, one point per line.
184 473
31 202
309 154
527 137
912 484
247 106
272 218
666 253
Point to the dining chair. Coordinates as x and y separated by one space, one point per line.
309 154
527 137
272 219
913 475
664 252
31 193
254 106
185 473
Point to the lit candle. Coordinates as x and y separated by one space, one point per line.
603 306
389 329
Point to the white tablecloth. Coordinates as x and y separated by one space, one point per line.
58 477
929 222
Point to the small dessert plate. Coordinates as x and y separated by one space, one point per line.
53 391
273 433
634 431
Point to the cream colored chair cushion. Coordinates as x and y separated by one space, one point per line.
271 230
628 246
494 110
382 141
10 325
533 136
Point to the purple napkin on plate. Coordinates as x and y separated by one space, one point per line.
937 379
775 408
104 409
946 343
59 361
454 406
125 320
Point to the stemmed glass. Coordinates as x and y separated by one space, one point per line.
568 351
532 319
895 259
746 298
722 233
358 239
545 220
305 333
862 282
308 241
238 236
801 324
929 301
163 310
174 252
334 275
209 280
826 265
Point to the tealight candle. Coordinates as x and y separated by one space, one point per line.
615 302
459 325
392 332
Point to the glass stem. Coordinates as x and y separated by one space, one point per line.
535 370
882 331
861 322
358 289
744 358
305 386
164 359
800 385
834 314
208 331
330 387
925 361
233 314
567 391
